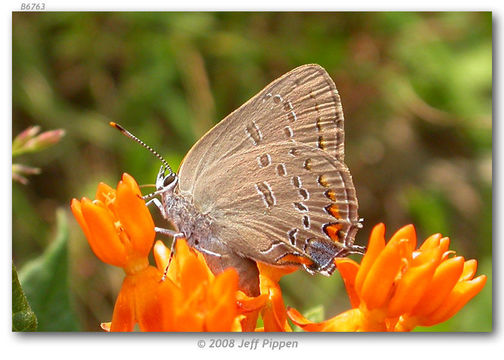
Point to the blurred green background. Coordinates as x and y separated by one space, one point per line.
416 91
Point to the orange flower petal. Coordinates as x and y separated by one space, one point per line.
348 321
444 243
461 294
138 302
191 271
104 193
103 237
182 311
250 307
169 296
431 242
406 233
161 255
189 314
273 314
221 303
237 324
75 205
444 279
249 321
247 303
303 322
375 246
106 326
470 267
348 270
275 273
123 318
377 286
131 183
405 323
412 285
134 216
426 255
147 306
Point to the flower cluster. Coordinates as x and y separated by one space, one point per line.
395 288
398 287
120 231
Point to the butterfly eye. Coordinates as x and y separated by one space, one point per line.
168 180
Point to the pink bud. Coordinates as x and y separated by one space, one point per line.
44 140
18 170
24 137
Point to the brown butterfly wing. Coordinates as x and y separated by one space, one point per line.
271 175
302 105
299 202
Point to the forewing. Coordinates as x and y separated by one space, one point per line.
303 105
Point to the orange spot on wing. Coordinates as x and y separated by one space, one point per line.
334 211
331 195
322 143
332 231
323 180
294 259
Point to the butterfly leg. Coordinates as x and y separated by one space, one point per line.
175 235
168 232
158 204
159 230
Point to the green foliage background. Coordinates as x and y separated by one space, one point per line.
416 91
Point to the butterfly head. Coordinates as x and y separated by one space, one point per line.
166 180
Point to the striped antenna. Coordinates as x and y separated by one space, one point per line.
133 137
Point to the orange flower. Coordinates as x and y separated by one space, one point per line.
192 298
396 287
273 312
250 307
118 225
120 231
200 301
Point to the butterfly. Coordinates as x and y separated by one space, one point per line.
268 183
